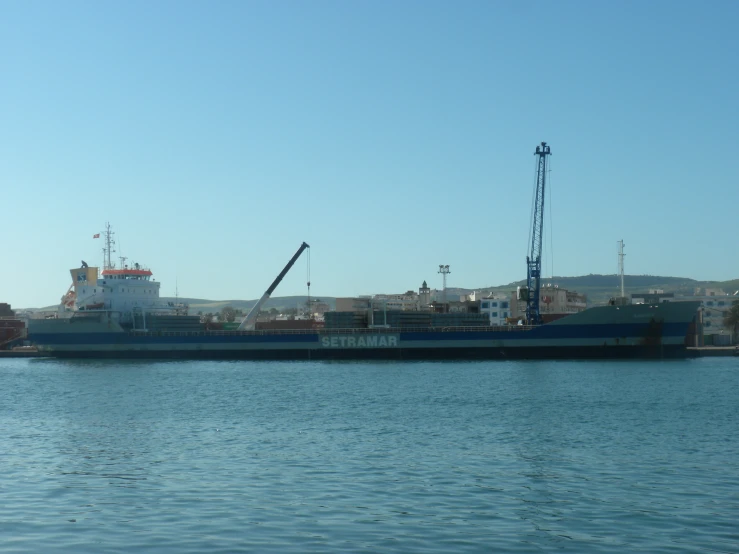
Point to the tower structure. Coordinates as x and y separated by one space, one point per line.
533 260
424 295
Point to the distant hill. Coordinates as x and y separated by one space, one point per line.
213 306
278 302
599 288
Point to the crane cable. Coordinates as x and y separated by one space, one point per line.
551 240
531 214
308 281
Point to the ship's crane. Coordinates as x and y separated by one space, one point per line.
533 260
251 317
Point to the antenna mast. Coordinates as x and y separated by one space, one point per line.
109 247
310 308
621 265
533 261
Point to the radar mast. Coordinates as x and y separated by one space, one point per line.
109 247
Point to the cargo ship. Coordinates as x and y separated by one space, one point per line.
630 331
117 313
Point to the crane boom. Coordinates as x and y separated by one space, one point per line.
533 260
249 320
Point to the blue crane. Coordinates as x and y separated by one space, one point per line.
533 260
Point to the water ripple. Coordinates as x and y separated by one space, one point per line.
330 457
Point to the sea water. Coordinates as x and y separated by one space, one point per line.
191 457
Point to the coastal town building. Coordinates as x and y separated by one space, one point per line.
496 305
461 306
554 303
353 303
715 303
653 296
405 302
315 307
498 308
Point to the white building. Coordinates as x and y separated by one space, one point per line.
715 303
554 302
353 304
407 301
498 308
715 306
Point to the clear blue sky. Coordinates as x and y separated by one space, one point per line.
390 136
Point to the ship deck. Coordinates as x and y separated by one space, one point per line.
321 332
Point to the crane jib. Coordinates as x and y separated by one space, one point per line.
533 261
282 274
248 321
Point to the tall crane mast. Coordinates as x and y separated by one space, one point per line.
533 260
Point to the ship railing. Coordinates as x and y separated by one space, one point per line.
324 331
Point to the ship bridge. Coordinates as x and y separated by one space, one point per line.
126 273
121 290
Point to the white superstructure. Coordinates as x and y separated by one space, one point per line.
120 292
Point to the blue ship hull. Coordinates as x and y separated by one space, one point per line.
634 331
417 354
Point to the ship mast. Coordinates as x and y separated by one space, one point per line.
109 247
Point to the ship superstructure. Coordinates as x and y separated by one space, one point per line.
125 294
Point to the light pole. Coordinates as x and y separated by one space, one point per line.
444 270
621 265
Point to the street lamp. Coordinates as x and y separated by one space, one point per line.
444 270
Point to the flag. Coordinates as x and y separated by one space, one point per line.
96 236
